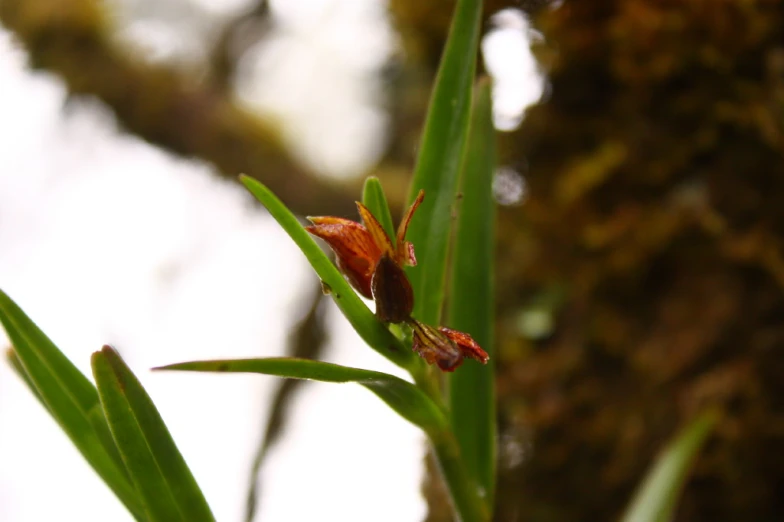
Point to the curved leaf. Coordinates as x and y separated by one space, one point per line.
402 396
372 331
70 398
165 484
657 496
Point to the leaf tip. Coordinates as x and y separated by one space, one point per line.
111 358
95 357
248 181
106 352
109 353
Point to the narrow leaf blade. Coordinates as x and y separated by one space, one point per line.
657 496
157 468
374 198
372 331
402 396
79 387
70 398
472 388
438 164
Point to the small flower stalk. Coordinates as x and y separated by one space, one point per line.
374 265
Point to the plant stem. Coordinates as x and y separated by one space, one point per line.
428 383
467 502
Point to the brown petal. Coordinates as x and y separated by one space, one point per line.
466 343
357 253
404 251
392 291
435 347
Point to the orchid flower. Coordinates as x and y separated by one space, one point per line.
371 262
374 265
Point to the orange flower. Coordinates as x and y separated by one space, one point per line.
359 249
444 346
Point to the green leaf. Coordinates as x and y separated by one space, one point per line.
165 484
372 331
71 400
472 387
438 164
402 396
407 400
374 198
657 496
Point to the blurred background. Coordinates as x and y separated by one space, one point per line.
640 261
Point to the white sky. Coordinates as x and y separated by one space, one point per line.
105 239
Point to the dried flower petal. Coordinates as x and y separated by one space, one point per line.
357 254
392 291
435 347
444 346
466 343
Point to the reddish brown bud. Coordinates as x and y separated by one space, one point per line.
392 292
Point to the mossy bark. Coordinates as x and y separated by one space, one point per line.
655 210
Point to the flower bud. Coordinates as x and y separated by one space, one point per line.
392 291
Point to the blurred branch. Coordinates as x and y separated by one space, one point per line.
166 107
236 37
306 341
